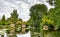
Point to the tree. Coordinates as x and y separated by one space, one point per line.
3 20
50 2
36 13
14 15
55 13
40 14
47 20
57 3
37 9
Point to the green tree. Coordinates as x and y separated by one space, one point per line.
3 20
57 3
47 20
14 15
50 2
36 13
55 15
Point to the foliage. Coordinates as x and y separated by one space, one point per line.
20 21
36 10
3 20
57 2
18 28
55 15
42 17
50 2
14 15
36 13
47 20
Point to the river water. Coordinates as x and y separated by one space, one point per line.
24 35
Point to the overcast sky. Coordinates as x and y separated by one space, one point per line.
22 6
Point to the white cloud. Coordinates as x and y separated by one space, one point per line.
23 6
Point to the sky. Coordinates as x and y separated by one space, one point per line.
22 6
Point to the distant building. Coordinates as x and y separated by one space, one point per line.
23 28
45 27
